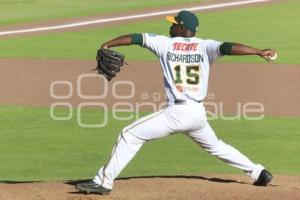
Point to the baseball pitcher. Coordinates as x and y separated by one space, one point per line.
185 61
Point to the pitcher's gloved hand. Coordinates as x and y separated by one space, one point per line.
109 62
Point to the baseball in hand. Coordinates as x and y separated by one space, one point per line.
274 57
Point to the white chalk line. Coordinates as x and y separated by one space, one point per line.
99 21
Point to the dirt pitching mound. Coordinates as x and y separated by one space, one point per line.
216 187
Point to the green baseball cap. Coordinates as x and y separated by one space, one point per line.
186 18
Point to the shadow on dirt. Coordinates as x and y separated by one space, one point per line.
74 182
213 179
18 182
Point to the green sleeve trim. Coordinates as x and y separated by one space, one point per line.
137 38
225 48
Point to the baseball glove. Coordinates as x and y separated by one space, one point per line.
109 62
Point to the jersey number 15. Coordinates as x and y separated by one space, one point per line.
192 74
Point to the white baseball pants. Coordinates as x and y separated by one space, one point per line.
188 118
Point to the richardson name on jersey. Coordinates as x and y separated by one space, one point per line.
185 58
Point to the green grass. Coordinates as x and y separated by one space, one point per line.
269 26
24 11
34 147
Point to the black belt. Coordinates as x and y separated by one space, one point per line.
181 102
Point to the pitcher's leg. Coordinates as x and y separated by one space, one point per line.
129 142
207 139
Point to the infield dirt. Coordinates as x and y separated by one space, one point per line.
231 86
204 187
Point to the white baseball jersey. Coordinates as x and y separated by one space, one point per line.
185 64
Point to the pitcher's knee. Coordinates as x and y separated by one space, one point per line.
130 138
